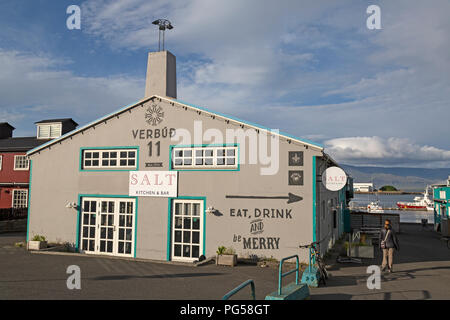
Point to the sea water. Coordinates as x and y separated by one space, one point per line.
390 201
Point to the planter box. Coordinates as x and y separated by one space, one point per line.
226 260
362 252
37 245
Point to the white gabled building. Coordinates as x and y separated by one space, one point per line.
132 184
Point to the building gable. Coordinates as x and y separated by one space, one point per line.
173 102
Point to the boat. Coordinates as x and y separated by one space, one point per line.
374 207
419 203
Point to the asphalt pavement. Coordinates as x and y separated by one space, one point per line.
422 271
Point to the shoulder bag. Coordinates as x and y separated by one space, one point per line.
383 242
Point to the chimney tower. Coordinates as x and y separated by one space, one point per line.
161 75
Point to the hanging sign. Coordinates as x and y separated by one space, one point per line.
334 179
153 184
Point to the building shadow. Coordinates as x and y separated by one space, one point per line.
158 276
391 295
341 281
416 245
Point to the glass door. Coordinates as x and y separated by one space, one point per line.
126 230
187 229
88 225
107 226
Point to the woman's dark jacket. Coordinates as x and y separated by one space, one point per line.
391 241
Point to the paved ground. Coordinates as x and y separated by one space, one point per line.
422 272
24 275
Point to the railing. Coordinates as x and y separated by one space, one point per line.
13 213
281 274
240 287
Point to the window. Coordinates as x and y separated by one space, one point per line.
187 229
21 163
107 226
49 131
1 162
20 198
205 157
110 159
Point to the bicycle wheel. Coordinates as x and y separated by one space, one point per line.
322 277
325 272
322 268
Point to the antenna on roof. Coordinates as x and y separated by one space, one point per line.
163 25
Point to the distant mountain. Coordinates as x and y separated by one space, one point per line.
408 179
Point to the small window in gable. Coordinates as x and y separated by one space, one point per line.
49 131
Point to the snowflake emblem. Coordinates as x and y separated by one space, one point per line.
154 115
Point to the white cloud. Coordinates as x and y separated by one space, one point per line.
300 66
386 151
308 68
33 87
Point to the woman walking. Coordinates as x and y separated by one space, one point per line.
388 242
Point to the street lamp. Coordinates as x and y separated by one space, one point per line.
163 25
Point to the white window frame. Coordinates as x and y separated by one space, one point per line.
58 130
26 198
27 162
195 157
115 226
1 162
87 162
200 216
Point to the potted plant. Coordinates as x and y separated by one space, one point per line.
226 256
37 243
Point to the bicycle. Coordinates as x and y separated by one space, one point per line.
315 254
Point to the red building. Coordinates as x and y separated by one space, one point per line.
14 165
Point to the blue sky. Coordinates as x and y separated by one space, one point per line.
312 69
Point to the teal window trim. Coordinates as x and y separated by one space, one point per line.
169 229
171 147
79 208
29 197
81 169
314 176
169 224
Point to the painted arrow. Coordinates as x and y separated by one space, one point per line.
290 197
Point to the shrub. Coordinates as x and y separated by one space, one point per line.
224 250
38 238
221 250
230 250
388 188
